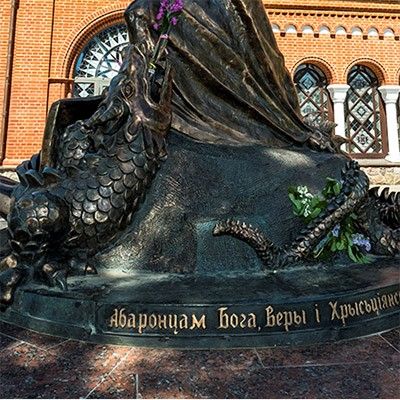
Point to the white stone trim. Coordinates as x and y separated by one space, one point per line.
390 95
338 94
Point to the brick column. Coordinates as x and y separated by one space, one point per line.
390 95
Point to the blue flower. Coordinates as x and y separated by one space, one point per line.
361 241
336 231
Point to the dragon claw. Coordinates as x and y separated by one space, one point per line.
81 266
60 280
8 262
57 277
9 281
90 270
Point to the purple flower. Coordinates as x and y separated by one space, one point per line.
176 7
164 5
168 13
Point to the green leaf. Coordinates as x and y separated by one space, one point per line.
337 187
351 254
341 245
293 198
314 214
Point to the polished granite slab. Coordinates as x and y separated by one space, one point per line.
38 366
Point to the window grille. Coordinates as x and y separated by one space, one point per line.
311 85
365 116
100 61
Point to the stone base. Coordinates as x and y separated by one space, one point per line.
303 305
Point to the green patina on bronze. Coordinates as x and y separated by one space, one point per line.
150 185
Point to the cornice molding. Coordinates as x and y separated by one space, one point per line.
327 10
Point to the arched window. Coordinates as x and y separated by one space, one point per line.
100 61
365 117
311 84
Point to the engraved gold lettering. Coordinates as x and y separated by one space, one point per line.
233 321
288 317
269 317
198 323
391 300
162 322
122 320
374 306
223 318
357 309
352 310
142 323
114 319
173 323
252 321
131 321
379 302
300 319
343 314
397 298
152 321
285 318
279 318
384 301
317 314
243 320
334 313
183 322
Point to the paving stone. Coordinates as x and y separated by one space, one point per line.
365 368
42 341
347 381
367 350
7 343
70 370
393 337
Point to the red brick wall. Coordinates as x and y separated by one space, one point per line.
51 33
337 53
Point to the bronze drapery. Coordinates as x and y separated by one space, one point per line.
231 85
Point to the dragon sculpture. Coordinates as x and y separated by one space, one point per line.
61 215
98 160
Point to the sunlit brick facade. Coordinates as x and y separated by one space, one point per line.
321 39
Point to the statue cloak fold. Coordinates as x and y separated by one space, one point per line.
231 83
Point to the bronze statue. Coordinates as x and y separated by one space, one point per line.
230 90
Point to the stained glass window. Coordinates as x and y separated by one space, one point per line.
311 84
100 61
365 119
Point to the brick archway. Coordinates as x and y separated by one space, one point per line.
89 27
377 68
325 67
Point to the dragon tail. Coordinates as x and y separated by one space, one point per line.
264 248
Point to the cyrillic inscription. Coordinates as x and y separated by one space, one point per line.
228 320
